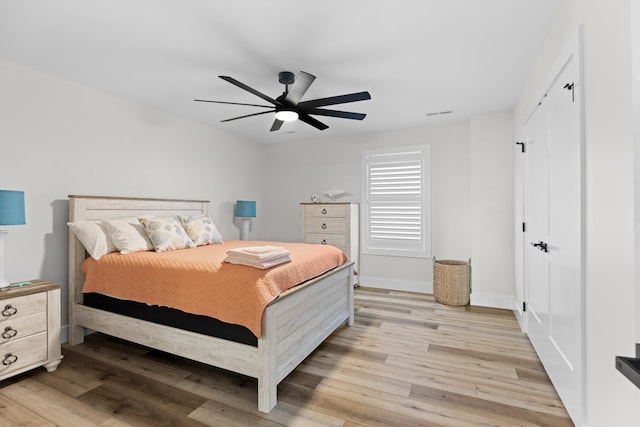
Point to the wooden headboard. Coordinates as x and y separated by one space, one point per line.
82 208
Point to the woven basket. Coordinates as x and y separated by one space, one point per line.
451 282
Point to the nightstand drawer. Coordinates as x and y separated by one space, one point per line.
336 240
22 306
19 354
326 211
326 225
15 329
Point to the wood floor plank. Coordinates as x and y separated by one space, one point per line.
500 413
53 405
12 414
135 408
407 361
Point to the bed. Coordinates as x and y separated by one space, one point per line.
292 325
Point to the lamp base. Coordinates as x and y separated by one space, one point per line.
244 230
3 279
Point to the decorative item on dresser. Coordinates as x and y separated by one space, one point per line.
30 327
336 224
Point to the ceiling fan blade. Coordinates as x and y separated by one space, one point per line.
299 87
250 89
248 115
336 113
311 121
234 103
277 124
333 100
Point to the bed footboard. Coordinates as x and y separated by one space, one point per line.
294 326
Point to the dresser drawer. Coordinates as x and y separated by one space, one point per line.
23 326
22 306
326 225
336 240
326 211
21 353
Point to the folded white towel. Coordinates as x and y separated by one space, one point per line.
259 250
258 256
258 253
259 264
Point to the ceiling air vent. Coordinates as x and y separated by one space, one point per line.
438 113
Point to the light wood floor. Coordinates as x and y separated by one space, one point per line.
407 361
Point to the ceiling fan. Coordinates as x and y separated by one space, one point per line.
288 107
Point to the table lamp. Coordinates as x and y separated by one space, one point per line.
245 209
11 213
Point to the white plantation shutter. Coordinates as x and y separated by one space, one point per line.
396 214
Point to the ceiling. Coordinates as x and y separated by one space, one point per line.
415 57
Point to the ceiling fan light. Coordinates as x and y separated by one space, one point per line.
286 115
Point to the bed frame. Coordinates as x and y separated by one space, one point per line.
293 325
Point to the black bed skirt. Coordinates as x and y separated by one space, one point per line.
172 317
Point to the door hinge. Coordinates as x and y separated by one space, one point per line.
524 306
522 148
571 87
524 227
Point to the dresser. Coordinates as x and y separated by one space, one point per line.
29 328
335 224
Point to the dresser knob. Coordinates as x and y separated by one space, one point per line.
9 359
9 332
324 211
324 226
9 310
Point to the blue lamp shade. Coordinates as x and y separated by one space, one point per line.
11 207
245 209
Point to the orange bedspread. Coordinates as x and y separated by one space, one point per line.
197 281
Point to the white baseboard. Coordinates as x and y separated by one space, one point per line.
517 311
492 300
396 285
478 299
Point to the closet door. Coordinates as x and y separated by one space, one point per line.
555 302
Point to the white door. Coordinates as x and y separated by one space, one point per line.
555 304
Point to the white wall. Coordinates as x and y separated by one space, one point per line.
299 169
635 82
492 210
610 290
58 138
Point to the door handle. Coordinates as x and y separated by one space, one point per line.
540 245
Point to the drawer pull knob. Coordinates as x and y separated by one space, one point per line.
324 211
324 226
9 310
9 332
9 359
324 241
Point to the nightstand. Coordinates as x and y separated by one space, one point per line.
29 328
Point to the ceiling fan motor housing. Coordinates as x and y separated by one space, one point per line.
286 77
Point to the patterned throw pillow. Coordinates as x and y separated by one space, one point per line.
201 229
166 233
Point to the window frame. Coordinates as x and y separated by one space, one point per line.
372 246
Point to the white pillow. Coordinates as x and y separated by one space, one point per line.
166 233
128 235
201 229
94 237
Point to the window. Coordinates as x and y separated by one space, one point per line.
396 214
